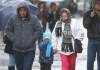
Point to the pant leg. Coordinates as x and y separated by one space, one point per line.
91 54
42 66
47 66
11 67
98 55
72 61
19 60
28 59
11 60
65 62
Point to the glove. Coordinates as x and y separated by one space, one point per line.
78 46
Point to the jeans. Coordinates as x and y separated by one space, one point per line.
11 60
24 60
93 51
68 61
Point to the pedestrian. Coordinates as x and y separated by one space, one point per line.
42 15
23 29
46 52
9 50
91 22
67 31
53 15
72 7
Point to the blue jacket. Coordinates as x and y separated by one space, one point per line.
42 56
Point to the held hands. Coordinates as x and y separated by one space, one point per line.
55 50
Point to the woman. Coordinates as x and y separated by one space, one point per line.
42 15
66 31
53 15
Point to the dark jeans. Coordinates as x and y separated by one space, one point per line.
93 50
24 60
45 66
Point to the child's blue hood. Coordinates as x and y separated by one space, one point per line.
47 35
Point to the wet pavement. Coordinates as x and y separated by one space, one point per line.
80 64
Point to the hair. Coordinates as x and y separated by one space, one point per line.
53 4
41 3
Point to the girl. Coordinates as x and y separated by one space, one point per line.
46 52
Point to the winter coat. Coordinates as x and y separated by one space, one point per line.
23 32
42 16
92 24
9 45
42 56
77 33
46 50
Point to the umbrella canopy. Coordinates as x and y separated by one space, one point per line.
52 0
10 8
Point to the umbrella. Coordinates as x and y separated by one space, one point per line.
52 0
10 8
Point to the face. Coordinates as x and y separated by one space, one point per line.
64 16
41 7
23 12
97 5
53 8
47 40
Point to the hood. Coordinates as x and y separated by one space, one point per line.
94 2
23 5
68 12
47 35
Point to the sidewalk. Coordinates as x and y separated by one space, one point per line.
80 64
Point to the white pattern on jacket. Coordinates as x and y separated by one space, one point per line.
77 33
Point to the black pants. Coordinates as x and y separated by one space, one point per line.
45 66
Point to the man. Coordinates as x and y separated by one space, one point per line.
91 22
53 16
23 29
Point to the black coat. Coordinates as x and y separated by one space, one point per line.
92 24
53 19
9 45
43 16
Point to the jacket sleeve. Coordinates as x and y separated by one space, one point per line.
54 38
79 32
38 31
42 45
87 20
10 29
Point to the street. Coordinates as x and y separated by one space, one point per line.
80 64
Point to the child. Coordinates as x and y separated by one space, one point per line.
46 52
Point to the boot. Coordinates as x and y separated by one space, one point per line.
11 67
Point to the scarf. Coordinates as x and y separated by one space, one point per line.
48 50
67 35
47 46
